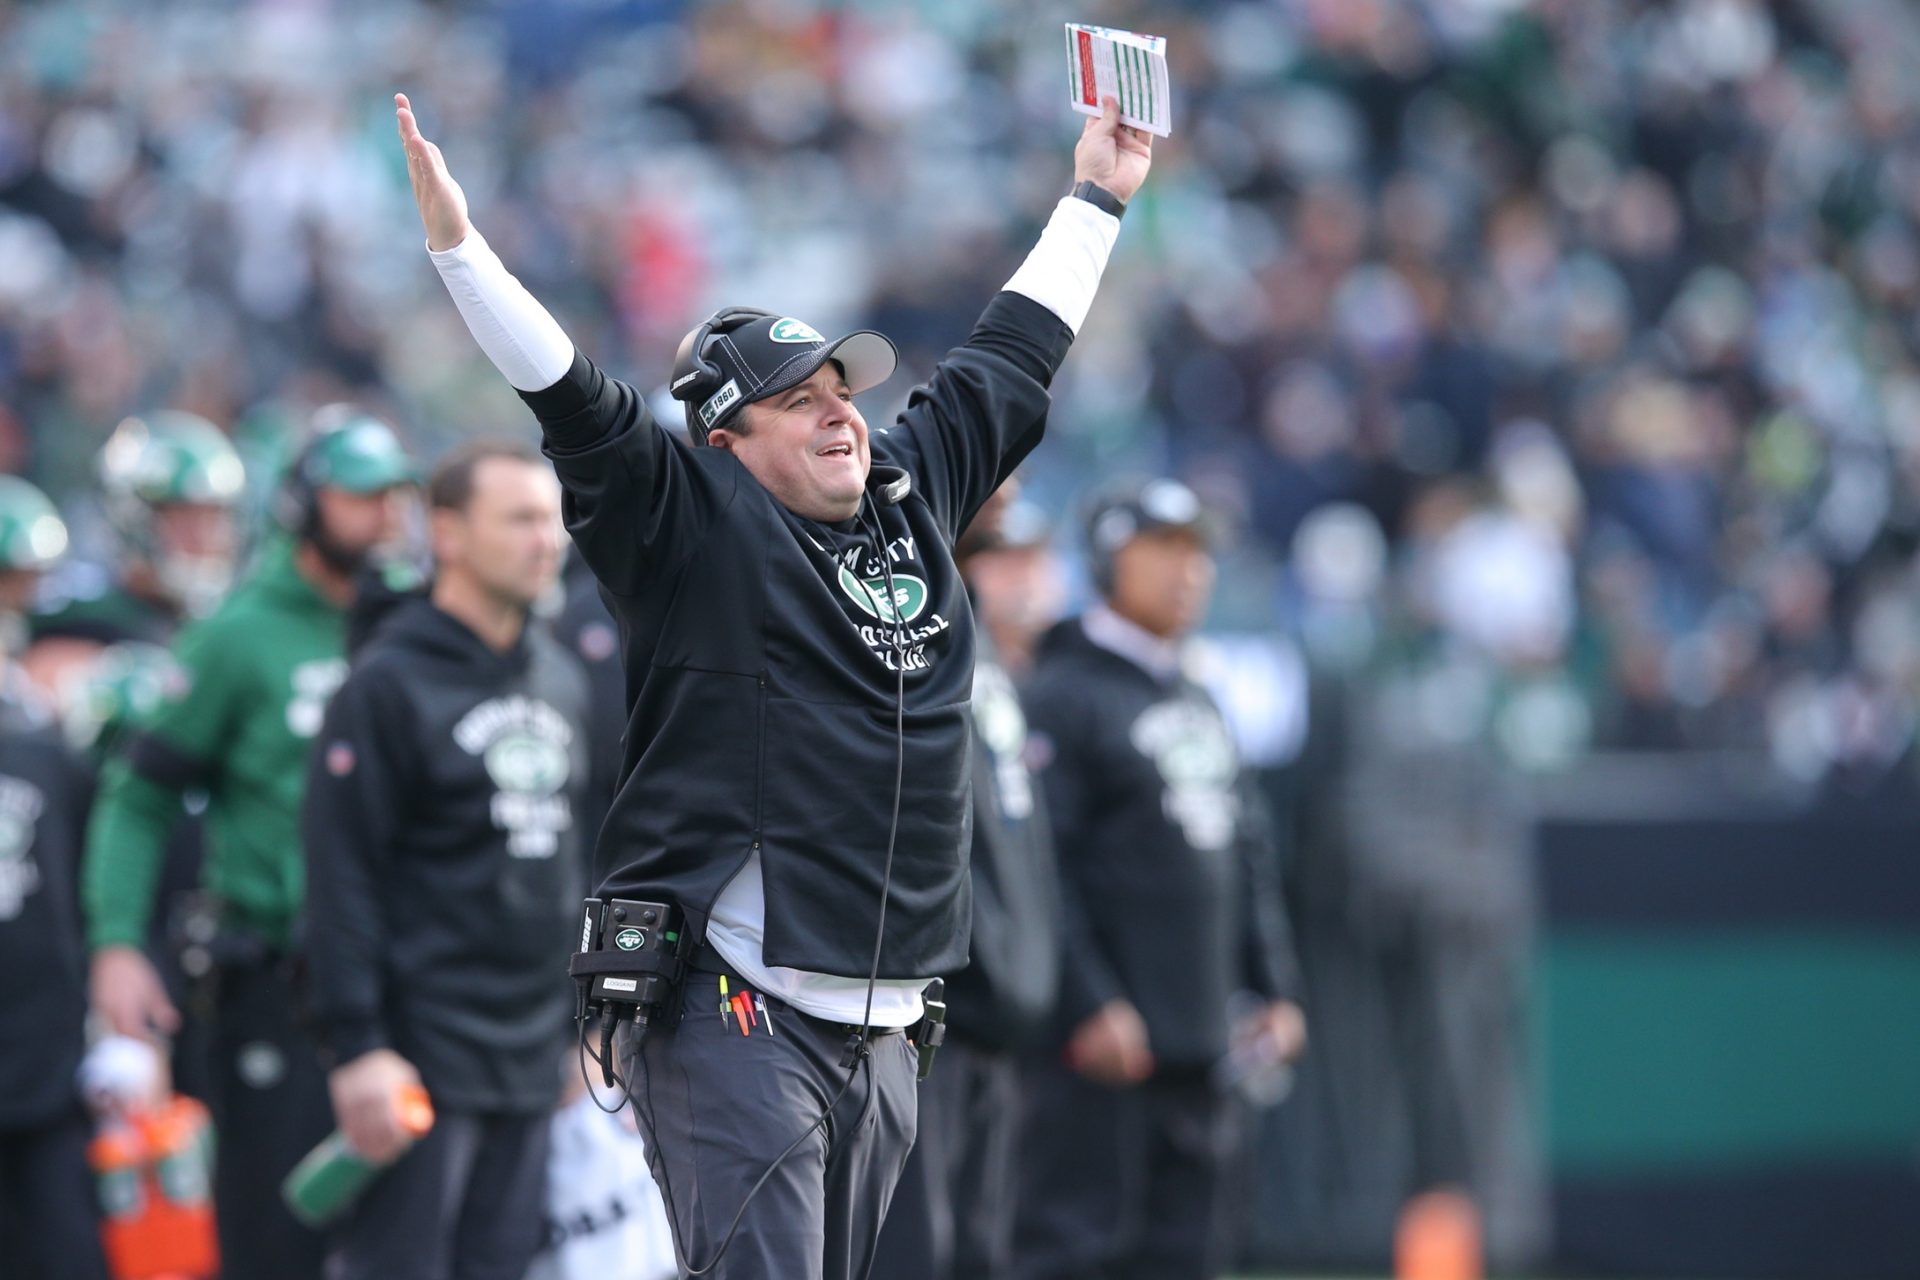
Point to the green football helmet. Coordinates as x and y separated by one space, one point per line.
359 453
172 459
348 450
32 535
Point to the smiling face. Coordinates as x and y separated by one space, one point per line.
807 445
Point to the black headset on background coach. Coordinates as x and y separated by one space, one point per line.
1123 511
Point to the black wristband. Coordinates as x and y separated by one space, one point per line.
1099 197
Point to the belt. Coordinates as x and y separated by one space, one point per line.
706 960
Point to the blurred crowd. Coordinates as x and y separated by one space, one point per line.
1596 308
1584 328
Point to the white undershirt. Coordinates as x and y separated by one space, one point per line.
519 335
737 929
1062 272
533 352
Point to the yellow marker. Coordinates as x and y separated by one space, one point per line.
723 1000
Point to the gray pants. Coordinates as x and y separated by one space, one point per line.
1121 1184
466 1202
952 1214
718 1108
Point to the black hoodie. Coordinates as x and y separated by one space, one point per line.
1168 880
44 790
1003 998
760 662
445 858
586 629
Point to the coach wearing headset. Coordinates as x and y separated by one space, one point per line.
799 657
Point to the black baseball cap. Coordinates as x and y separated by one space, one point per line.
727 364
1123 514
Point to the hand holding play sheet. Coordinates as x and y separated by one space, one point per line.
1128 67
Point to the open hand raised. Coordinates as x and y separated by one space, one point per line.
443 205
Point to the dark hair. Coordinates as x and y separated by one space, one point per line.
450 488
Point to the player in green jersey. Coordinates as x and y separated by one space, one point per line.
255 678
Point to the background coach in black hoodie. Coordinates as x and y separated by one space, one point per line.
1170 904
444 874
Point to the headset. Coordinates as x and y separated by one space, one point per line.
1121 511
587 972
296 504
695 377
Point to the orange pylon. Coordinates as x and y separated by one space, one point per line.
1438 1238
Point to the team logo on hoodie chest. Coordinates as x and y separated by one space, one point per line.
311 686
890 597
524 746
1193 751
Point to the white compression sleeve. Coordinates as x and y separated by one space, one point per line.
524 342
1063 270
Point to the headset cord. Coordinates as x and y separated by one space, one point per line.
900 649
607 1072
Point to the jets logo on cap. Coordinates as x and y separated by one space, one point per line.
788 329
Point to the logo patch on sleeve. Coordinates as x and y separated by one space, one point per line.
721 401
340 760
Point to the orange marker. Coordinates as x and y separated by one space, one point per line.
1438 1238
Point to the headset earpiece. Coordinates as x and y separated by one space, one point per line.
695 376
296 506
